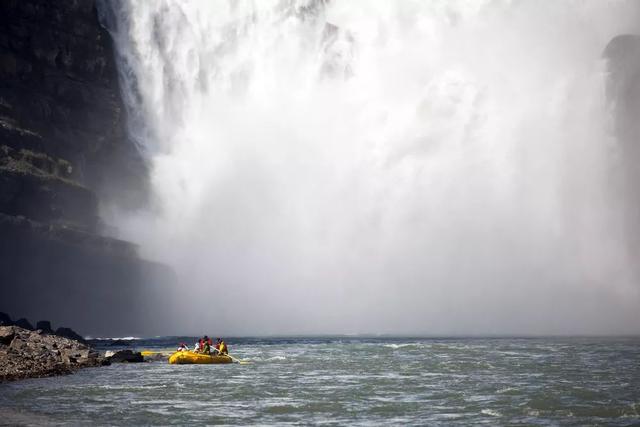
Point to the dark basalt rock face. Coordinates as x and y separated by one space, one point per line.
69 333
24 324
126 356
59 93
63 153
51 202
623 86
74 277
5 320
623 92
44 326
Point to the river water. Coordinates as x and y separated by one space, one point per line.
355 381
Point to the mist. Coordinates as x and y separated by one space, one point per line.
380 167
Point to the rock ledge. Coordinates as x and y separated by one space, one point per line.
33 354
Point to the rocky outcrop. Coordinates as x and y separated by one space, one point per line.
44 326
35 186
69 333
29 354
126 356
24 323
5 320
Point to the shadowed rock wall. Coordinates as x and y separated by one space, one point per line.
63 153
59 94
623 92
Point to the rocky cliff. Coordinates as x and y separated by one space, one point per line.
623 86
64 153
623 92
60 98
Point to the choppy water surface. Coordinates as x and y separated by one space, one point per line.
355 381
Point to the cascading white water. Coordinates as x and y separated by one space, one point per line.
380 166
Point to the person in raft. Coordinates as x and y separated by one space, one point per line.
183 347
206 345
196 348
221 347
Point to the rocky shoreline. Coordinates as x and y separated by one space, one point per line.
28 352
35 354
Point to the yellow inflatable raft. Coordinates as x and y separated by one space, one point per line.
189 357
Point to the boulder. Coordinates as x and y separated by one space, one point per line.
7 334
126 356
44 326
70 333
24 323
74 355
19 344
5 320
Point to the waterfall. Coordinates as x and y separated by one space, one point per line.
379 166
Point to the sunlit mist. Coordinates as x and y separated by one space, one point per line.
397 167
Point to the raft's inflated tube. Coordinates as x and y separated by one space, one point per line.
189 357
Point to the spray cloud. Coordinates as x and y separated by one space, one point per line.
382 167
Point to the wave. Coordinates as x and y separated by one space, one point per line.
399 346
506 390
491 413
113 338
276 358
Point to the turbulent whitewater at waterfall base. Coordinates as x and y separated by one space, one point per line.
352 381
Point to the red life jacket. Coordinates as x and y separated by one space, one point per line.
209 341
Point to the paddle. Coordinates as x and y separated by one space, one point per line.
235 359
242 362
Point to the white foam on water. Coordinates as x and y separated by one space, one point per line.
275 358
491 412
113 338
399 346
